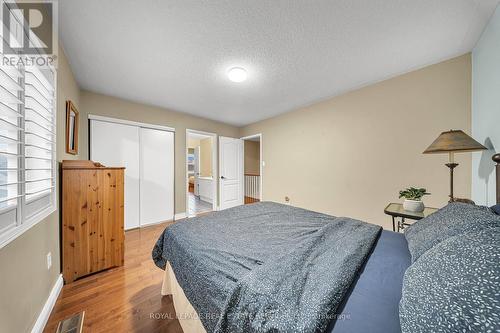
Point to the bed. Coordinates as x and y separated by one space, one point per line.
271 267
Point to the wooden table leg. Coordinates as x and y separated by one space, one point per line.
393 224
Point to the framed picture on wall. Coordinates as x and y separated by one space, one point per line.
72 121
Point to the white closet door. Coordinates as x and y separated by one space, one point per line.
157 175
117 145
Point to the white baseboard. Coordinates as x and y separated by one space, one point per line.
153 223
44 315
180 216
206 199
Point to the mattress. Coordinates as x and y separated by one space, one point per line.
370 306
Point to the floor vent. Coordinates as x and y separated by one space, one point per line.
73 324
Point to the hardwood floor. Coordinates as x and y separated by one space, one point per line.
249 200
123 299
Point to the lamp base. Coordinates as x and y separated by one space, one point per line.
451 166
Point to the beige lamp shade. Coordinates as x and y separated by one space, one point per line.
453 141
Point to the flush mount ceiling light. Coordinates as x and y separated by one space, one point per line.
237 74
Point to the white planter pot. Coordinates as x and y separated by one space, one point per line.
413 205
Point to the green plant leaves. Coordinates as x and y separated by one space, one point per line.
413 193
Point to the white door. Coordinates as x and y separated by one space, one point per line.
157 176
196 170
231 172
117 145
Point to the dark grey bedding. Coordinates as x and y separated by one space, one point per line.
454 286
266 266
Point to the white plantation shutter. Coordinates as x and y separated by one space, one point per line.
39 140
27 145
11 133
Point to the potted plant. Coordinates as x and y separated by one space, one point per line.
413 199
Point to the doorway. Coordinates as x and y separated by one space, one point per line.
201 195
252 168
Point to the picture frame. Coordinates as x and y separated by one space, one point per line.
72 124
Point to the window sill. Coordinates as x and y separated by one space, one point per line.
17 231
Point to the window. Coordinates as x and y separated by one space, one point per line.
27 146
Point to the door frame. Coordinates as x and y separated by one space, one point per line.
129 122
215 178
261 163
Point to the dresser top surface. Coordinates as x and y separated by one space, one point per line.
85 165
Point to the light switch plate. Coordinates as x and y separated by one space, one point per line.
49 260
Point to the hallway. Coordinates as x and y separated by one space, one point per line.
197 206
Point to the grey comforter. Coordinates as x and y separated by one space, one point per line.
265 267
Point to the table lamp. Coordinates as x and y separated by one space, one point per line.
453 141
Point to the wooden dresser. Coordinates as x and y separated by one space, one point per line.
92 218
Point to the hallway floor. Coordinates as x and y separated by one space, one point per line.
249 200
197 206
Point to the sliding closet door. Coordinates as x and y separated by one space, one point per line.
115 144
157 175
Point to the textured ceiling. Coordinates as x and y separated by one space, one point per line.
175 53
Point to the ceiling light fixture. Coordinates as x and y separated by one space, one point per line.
237 74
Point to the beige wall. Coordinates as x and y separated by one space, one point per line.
97 104
350 155
25 282
206 157
192 143
252 157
